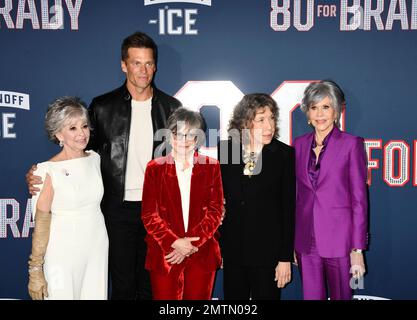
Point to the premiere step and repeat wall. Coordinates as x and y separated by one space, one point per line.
211 53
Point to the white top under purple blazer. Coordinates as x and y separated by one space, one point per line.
337 209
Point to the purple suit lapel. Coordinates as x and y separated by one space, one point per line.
333 148
306 149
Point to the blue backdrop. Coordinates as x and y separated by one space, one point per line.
211 53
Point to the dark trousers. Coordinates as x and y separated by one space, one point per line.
242 283
127 250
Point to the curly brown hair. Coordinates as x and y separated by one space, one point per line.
245 111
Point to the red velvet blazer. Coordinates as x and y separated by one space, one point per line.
162 212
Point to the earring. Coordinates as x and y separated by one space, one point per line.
61 144
309 122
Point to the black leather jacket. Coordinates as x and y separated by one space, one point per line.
110 116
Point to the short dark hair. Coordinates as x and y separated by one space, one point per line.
139 40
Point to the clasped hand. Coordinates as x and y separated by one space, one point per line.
182 249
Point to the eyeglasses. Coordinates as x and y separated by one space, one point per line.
186 136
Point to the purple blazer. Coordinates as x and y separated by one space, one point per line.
337 209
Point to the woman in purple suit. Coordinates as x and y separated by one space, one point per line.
331 207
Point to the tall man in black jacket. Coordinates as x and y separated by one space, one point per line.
124 122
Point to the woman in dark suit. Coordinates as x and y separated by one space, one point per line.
181 211
331 209
258 174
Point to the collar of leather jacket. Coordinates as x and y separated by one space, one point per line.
127 96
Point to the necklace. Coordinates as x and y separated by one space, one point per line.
250 162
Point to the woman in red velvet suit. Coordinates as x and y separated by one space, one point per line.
181 210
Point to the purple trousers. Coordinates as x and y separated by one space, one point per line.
318 274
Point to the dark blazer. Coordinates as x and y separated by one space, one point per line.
110 116
162 213
258 229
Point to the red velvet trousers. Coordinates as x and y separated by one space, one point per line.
183 282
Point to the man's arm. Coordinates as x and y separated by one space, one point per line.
92 144
32 181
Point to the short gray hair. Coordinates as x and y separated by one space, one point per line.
60 111
192 119
317 91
